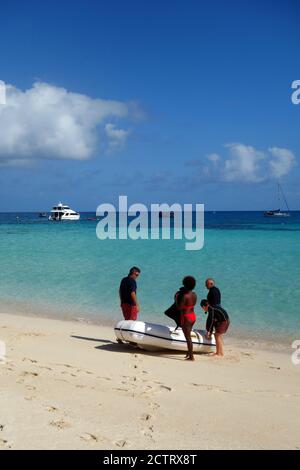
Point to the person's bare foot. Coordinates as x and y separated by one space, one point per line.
216 355
189 358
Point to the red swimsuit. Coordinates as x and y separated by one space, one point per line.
191 316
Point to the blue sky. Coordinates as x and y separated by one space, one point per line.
181 101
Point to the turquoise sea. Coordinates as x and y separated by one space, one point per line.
63 269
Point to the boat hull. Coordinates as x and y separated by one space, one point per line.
64 219
153 336
281 214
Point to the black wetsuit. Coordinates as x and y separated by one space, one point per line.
215 315
214 296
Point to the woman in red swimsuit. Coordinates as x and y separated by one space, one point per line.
186 299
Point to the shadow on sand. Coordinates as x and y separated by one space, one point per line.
128 348
97 340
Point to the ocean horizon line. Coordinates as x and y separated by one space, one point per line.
37 211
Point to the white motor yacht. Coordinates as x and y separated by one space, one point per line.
62 212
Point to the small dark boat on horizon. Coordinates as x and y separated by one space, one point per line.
276 213
279 212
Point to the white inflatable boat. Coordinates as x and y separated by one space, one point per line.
152 336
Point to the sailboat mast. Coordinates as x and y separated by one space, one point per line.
278 196
283 197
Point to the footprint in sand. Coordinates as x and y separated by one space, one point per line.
84 371
31 374
65 365
121 389
60 424
45 367
247 354
232 359
51 409
30 360
148 433
121 443
211 388
154 406
5 444
88 437
91 438
63 380
166 388
150 391
146 417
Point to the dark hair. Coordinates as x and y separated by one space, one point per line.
189 282
204 303
134 269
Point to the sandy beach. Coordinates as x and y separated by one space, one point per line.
69 385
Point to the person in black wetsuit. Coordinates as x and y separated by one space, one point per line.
217 321
214 294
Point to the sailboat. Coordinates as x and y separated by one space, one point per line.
279 212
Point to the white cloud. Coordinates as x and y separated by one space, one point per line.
117 137
244 163
214 158
47 121
282 162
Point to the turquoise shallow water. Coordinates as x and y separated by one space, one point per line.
63 269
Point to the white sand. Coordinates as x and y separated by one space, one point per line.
61 392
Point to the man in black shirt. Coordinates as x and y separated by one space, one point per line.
127 292
214 294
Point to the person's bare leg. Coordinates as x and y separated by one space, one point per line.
219 345
221 348
187 328
190 344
